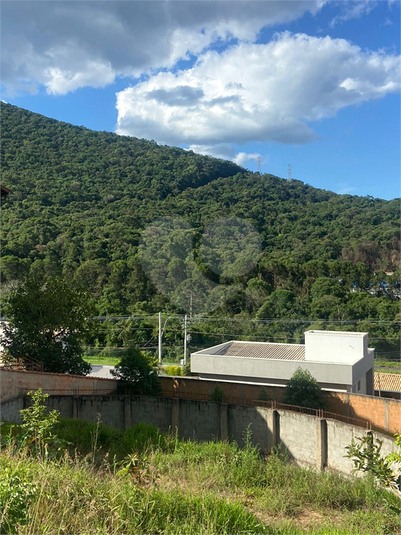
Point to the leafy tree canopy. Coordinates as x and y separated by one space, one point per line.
48 321
139 371
303 390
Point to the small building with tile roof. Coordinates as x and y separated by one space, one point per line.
339 361
388 385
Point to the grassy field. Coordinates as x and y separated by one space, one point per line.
141 481
388 366
102 361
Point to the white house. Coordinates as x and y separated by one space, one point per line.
339 361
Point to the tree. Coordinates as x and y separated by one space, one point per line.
139 371
304 391
48 321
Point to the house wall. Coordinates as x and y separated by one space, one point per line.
257 370
333 346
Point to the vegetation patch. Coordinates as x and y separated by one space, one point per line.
142 481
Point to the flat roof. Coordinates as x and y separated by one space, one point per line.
338 333
259 350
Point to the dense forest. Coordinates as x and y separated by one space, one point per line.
268 255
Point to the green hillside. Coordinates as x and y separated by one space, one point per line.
81 199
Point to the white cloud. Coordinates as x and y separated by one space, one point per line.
243 157
224 151
95 75
65 45
353 10
255 92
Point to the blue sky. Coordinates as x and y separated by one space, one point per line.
309 83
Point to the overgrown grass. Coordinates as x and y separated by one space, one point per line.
142 481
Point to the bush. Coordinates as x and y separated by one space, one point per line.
173 370
139 372
304 391
16 493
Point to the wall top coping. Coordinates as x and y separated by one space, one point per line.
48 374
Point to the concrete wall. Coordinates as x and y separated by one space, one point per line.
309 440
298 435
340 435
257 369
10 409
383 413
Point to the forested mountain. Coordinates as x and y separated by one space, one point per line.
80 200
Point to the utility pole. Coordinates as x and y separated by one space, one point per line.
160 337
185 338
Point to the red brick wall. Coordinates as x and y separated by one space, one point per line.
16 382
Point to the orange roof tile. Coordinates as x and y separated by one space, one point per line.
389 382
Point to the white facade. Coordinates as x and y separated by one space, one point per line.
339 361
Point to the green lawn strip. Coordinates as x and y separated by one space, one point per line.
385 366
102 361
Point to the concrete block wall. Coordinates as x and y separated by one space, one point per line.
258 420
298 435
154 411
309 440
10 409
200 418
340 435
383 413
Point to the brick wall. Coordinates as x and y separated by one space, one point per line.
383 413
14 383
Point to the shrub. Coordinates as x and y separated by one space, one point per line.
139 372
304 391
16 493
173 370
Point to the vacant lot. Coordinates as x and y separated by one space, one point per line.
140 481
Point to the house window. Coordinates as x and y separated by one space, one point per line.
359 386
